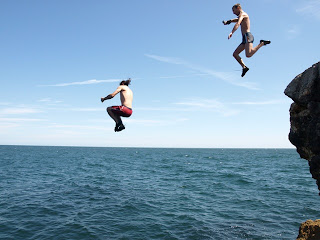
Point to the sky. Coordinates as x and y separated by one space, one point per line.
58 58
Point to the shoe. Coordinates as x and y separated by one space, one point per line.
265 42
244 71
121 127
116 129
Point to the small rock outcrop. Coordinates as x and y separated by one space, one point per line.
309 230
304 90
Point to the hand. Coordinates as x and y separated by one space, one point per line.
226 22
102 99
230 35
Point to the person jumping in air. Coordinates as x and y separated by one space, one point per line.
125 110
247 37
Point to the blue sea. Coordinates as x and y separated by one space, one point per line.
144 193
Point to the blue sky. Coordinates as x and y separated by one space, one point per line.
59 57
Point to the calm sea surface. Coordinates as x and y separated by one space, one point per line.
136 193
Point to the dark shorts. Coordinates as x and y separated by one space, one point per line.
247 38
122 111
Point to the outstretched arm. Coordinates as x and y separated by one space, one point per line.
230 21
236 26
112 94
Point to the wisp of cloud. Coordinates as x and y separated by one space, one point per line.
227 77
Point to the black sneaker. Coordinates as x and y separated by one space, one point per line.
265 42
116 129
120 128
244 71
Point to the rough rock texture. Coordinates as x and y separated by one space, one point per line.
304 90
309 230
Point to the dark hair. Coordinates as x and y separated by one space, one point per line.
237 6
125 82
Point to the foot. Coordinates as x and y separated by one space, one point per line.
265 42
116 128
120 128
244 71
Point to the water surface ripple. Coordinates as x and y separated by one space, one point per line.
137 193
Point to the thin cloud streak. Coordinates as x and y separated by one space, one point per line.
167 59
22 120
227 77
272 102
7 126
161 109
49 100
202 103
88 82
193 106
209 105
86 109
151 122
311 8
12 111
141 121
80 127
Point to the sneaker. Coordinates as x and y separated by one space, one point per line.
244 71
120 128
265 42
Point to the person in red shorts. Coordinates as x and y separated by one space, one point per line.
125 110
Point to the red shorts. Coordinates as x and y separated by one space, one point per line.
122 111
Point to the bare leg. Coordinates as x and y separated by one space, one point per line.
236 53
119 125
250 50
115 117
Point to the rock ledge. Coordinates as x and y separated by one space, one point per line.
304 90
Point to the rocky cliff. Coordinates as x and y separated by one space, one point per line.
304 90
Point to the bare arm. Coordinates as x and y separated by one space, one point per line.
112 94
237 25
230 21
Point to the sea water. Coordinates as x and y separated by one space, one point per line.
144 193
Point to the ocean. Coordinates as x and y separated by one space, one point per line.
144 193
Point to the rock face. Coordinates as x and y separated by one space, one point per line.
304 90
309 230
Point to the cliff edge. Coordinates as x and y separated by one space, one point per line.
304 90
